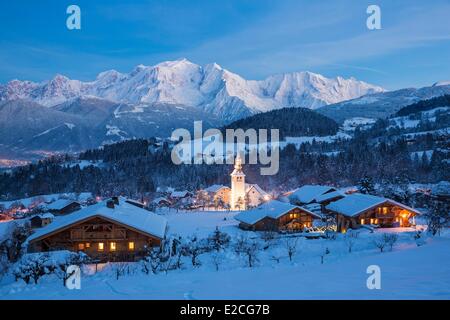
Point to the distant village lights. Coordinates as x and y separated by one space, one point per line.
210 147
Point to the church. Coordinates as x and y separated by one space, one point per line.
241 195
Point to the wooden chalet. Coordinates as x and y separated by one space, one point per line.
41 220
356 210
111 230
63 206
276 216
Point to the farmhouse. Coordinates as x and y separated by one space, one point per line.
162 202
219 192
310 193
111 230
276 216
41 220
176 195
63 206
356 210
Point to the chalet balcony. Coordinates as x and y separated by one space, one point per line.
81 235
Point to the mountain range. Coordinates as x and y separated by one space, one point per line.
209 88
70 115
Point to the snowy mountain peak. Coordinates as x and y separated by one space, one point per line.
211 88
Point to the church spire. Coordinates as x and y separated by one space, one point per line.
238 166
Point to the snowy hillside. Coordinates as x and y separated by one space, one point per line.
381 105
209 87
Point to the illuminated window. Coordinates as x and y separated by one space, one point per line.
101 246
81 246
131 245
385 210
112 246
88 244
376 221
363 221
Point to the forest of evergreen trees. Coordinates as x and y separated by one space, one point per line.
136 170
424 105
290 121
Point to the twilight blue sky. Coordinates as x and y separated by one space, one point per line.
254 38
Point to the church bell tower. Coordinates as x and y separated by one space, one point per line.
237 199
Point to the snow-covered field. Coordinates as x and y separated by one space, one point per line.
407 272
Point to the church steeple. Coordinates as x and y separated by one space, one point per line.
237 199
237 166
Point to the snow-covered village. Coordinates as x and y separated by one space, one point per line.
182 180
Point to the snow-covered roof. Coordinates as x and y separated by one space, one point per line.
47 215
308 193
248 186
357 203
135 202
60 204
159 199
215 187
180 194
272 209
329 196
124 213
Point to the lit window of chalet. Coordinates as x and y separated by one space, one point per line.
131 245
101 246
112 246
81 246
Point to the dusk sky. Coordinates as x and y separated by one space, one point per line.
252 38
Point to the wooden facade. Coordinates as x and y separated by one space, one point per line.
293 220
100 238
386 215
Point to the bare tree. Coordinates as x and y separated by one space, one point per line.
291 247
194 248
239 245
250 250
217 259
385 240
32 267
392 240
120 269
350 240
